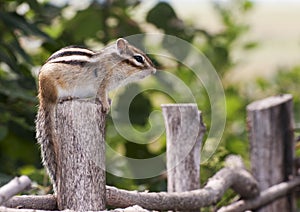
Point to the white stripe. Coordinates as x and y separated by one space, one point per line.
71 57
70 50
73 49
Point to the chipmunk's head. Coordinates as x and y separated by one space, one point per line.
126 63
133 58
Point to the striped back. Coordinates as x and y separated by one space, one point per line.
72 55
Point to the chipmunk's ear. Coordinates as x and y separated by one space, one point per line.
122 45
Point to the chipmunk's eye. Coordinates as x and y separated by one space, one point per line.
139 58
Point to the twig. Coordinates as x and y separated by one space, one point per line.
41 202
267 196
134 208
4 209
232 176
12 188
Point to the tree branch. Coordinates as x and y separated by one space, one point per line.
14 187
233 176
209 195
114 197
267 196
41 202
134 208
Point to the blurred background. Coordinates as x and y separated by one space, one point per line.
253 45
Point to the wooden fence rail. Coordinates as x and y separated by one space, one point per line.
270 124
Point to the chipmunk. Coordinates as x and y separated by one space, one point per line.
79 73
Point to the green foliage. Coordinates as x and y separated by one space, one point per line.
22 22
30 31
284 81
106 21
219 46
163 16
17 88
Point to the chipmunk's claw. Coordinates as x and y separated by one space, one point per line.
105 105
67 98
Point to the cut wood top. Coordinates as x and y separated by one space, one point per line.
180 105
269 102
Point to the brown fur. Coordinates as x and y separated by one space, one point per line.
47 89
45 124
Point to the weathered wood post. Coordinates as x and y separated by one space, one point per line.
271 125
185 130
81 156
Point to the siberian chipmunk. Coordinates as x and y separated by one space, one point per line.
79 73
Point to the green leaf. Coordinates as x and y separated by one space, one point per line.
16 47
86 24
16 21
250 45
247 5
27 170
8 58
163 16
4 178
3 131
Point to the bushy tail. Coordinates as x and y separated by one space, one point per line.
45 137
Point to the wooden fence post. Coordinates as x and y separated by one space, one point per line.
270 126
185 130
81 156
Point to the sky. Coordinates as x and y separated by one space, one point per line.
274 24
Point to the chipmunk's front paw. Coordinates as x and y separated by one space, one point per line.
105 109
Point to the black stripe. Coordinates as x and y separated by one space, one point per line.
69 53
131 52
72 62
149 61
128 61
